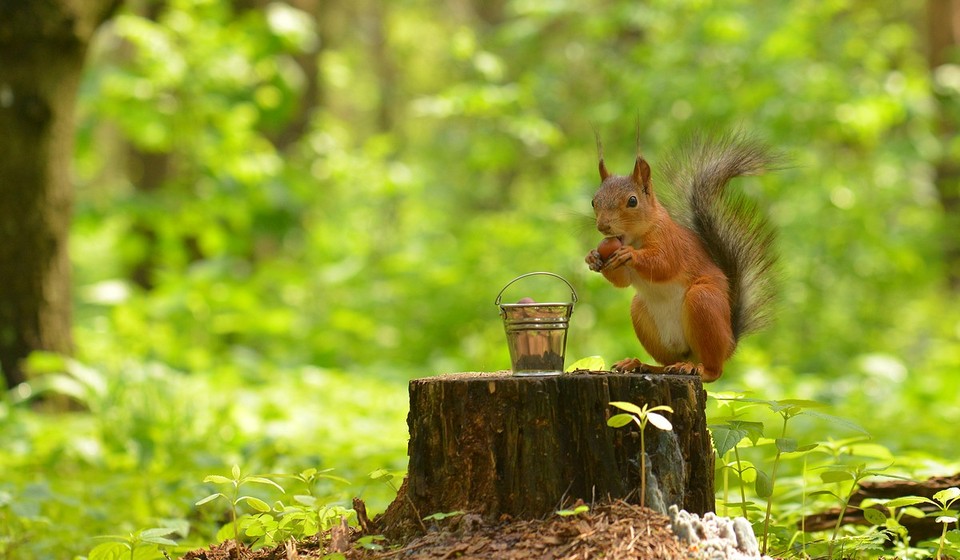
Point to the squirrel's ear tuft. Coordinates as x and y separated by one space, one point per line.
602 166
641 174
603 170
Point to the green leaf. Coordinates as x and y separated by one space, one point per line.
590 363
914 512
947 519
629 407
225 533
906 501
305 499
381 474
255 503
836 421
209 498
801 403
440 516
619 420
764 486
754 430
660 407
874 517
333 477
369 542
262 480
148 552
659 421
575 511
726 438
110 551
835 476
948 495
217 479
236 472
158 536
786 445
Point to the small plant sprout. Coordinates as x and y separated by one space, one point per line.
311 476
308 515
641 416
727 437
234 496
944 501
854 474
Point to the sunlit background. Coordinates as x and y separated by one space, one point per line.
285 211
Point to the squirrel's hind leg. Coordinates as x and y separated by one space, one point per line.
706 326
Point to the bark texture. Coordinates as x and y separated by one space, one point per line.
495 444
42 48
943 36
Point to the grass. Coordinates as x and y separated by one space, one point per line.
130 457
139 458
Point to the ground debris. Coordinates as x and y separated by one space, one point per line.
615 531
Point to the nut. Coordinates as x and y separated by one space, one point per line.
608 246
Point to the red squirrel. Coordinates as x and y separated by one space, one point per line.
702 280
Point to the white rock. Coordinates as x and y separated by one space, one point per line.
715 538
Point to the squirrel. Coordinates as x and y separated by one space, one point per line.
703 279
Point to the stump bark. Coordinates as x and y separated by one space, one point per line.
495 444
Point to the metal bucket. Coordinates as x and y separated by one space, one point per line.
536 332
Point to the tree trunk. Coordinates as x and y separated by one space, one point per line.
943 35
496 444
42 50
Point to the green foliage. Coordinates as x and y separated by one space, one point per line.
141 545
257 526
281 217
943 501
806 478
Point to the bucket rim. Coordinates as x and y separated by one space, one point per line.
539 304
573 292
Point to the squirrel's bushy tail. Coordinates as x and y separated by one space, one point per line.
736 234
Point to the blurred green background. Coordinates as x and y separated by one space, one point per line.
286 210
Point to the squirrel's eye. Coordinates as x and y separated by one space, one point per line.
593 203
632 202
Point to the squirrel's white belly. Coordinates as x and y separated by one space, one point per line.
664 304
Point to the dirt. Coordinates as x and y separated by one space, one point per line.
616 531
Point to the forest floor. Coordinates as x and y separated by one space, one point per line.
616 531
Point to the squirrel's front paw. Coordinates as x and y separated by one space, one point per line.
620 257
594 260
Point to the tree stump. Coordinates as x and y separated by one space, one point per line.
495 444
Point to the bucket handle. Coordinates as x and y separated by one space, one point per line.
573 293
